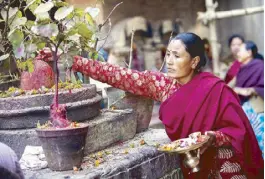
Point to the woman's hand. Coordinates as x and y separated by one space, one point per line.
209 143
245 91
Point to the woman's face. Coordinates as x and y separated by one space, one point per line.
243 53
179 62
235 45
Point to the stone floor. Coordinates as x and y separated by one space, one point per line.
132 159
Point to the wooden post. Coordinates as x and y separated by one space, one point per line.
213 36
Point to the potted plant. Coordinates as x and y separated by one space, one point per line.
66 31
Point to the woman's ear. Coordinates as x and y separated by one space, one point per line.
195 61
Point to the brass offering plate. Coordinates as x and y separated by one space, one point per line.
183 145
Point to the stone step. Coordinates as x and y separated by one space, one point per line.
140 161
23 112
109 127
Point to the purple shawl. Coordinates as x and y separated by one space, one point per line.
251 75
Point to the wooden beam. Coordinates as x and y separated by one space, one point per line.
209 16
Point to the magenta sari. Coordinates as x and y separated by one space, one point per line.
207 104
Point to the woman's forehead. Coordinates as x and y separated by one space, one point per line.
176 45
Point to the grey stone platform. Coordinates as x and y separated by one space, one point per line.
122 162
107 128
24 112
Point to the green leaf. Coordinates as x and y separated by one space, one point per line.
11 13
16 37
32 4
92 11
95 56
72 31
47 30
89 19
29 24
41 45
18 22
84 31
44 7
79 12
62 12
60 4
100 57
28 64
19 14
4 57
19 51
43 18
44 21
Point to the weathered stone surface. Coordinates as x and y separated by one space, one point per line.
107 128
25 111
29 101
175 174
19 139
110 127
142 107
139 162
77 111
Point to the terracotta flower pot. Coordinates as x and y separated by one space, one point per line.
64 147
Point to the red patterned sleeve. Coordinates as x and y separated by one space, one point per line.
221 139
154 85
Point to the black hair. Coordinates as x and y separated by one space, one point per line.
194 46
254 49
235 36
205 41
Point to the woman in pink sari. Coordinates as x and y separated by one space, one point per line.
192 101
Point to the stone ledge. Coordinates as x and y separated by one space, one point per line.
39 100
140 162
107 128
28 118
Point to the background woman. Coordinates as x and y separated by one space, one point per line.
250 87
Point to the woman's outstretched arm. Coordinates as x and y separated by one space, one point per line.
154 85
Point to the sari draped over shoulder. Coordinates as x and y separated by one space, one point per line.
206 103
251 75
